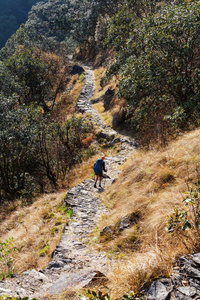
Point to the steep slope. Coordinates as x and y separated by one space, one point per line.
74 263
154 183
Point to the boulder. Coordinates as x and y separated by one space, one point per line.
125 223
33 274
194 283
160 290
128 221
108 98
187 290
179 296
105 136
184 282
196 258
102 82
78 280
116 140
106 231
70 203
56 264
93 101
77 70
192 272
118 118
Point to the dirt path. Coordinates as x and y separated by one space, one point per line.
74 262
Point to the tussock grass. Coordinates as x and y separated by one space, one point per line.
36 230
37 227
152 183
99 92
105 115
65 102
137 273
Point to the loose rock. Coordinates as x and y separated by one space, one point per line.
158 291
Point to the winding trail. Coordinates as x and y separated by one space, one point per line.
74 262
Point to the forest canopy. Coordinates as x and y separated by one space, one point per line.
157 61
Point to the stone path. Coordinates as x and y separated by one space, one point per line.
74 262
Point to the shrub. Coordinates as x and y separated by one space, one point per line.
34 150
158 64
185 225
6 260
92 295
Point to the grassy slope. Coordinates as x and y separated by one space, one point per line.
37 227
152 183
99 94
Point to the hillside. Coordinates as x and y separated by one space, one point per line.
12 15
72 253
152 183
78 80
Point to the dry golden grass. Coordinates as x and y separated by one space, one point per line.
65 103
99 93
152 183
99 74
36 230
38 227
105 115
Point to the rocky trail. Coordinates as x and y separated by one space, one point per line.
74 262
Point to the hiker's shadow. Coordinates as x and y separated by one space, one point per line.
100 190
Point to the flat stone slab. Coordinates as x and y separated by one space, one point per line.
158 291
187 290
196 258
80 280
4 291
192 272
179 296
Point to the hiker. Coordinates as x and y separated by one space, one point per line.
99 167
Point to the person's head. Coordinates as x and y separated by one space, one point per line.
103 157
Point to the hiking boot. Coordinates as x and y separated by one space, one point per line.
95 185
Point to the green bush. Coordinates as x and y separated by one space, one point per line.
34 150
92 295
158 63
185 225
6 260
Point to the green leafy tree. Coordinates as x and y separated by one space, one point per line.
8 84
50 19
36 152
18 148
61 146
38 76
58 20
159 70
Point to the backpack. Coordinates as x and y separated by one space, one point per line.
98 166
